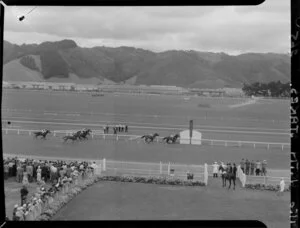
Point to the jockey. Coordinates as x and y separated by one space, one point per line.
44 131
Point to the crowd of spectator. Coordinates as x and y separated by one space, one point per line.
258 168
116 128
50 176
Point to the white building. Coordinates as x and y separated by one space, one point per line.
185 137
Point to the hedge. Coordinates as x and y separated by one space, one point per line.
265 187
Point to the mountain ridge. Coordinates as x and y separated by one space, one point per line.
188 68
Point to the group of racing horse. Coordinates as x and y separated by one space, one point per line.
82 135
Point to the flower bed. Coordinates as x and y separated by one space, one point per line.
151 180
265 187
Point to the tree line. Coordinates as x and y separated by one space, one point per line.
271 89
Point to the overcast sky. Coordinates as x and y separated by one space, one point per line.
230 29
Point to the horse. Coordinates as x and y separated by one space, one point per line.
71 137
41 133
149 138
173 139
85 133
228 175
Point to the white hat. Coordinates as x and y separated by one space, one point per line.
16 206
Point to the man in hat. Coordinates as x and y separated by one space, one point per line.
14 217
281 187
252 166
24 193
247 166
215 169
243 165
264 167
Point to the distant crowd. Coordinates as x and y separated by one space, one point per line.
116 128
258 168
44 173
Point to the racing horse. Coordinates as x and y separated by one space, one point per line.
171 139
42 133
84 133
149 138
227 174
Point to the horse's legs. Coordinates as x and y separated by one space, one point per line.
229 183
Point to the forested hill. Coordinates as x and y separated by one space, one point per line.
64 60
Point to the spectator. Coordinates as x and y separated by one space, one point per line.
24 193
39 175
281 187
257 170
243 165
252 167
6 171
264 168
19 174
25 178
29 170
247 166
215 169
260 167
10 170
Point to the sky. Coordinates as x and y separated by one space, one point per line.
230 29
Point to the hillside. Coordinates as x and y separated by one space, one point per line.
66 61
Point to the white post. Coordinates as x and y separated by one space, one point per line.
18 131
104 164
205 174
169 167
160 167
254 145
225 143
92 135
282 146
117 137
54 133
268 146
6 131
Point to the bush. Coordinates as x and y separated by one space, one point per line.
151 180
263 187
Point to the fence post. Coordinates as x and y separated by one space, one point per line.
92 135
29 132
205 174
282 146
268 146
117 137
6 131
254 145
54 133
169 167
160 168
104 164
18 131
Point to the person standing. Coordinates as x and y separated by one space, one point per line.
281 187
25 178
215 169
264 167
257 168
24 193
247 166
6 171
252 166
243 165
39 175
260 167
19 174
126 128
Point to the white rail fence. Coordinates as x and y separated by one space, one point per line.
201 172
96 134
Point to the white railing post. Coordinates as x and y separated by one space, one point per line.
282 146
104 164
254 145
160 167
92 135
117 137
54 133
268 146
29 132
18 131
205 174
169 167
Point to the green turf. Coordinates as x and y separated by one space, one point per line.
122 201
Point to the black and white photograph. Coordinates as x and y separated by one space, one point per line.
147 113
